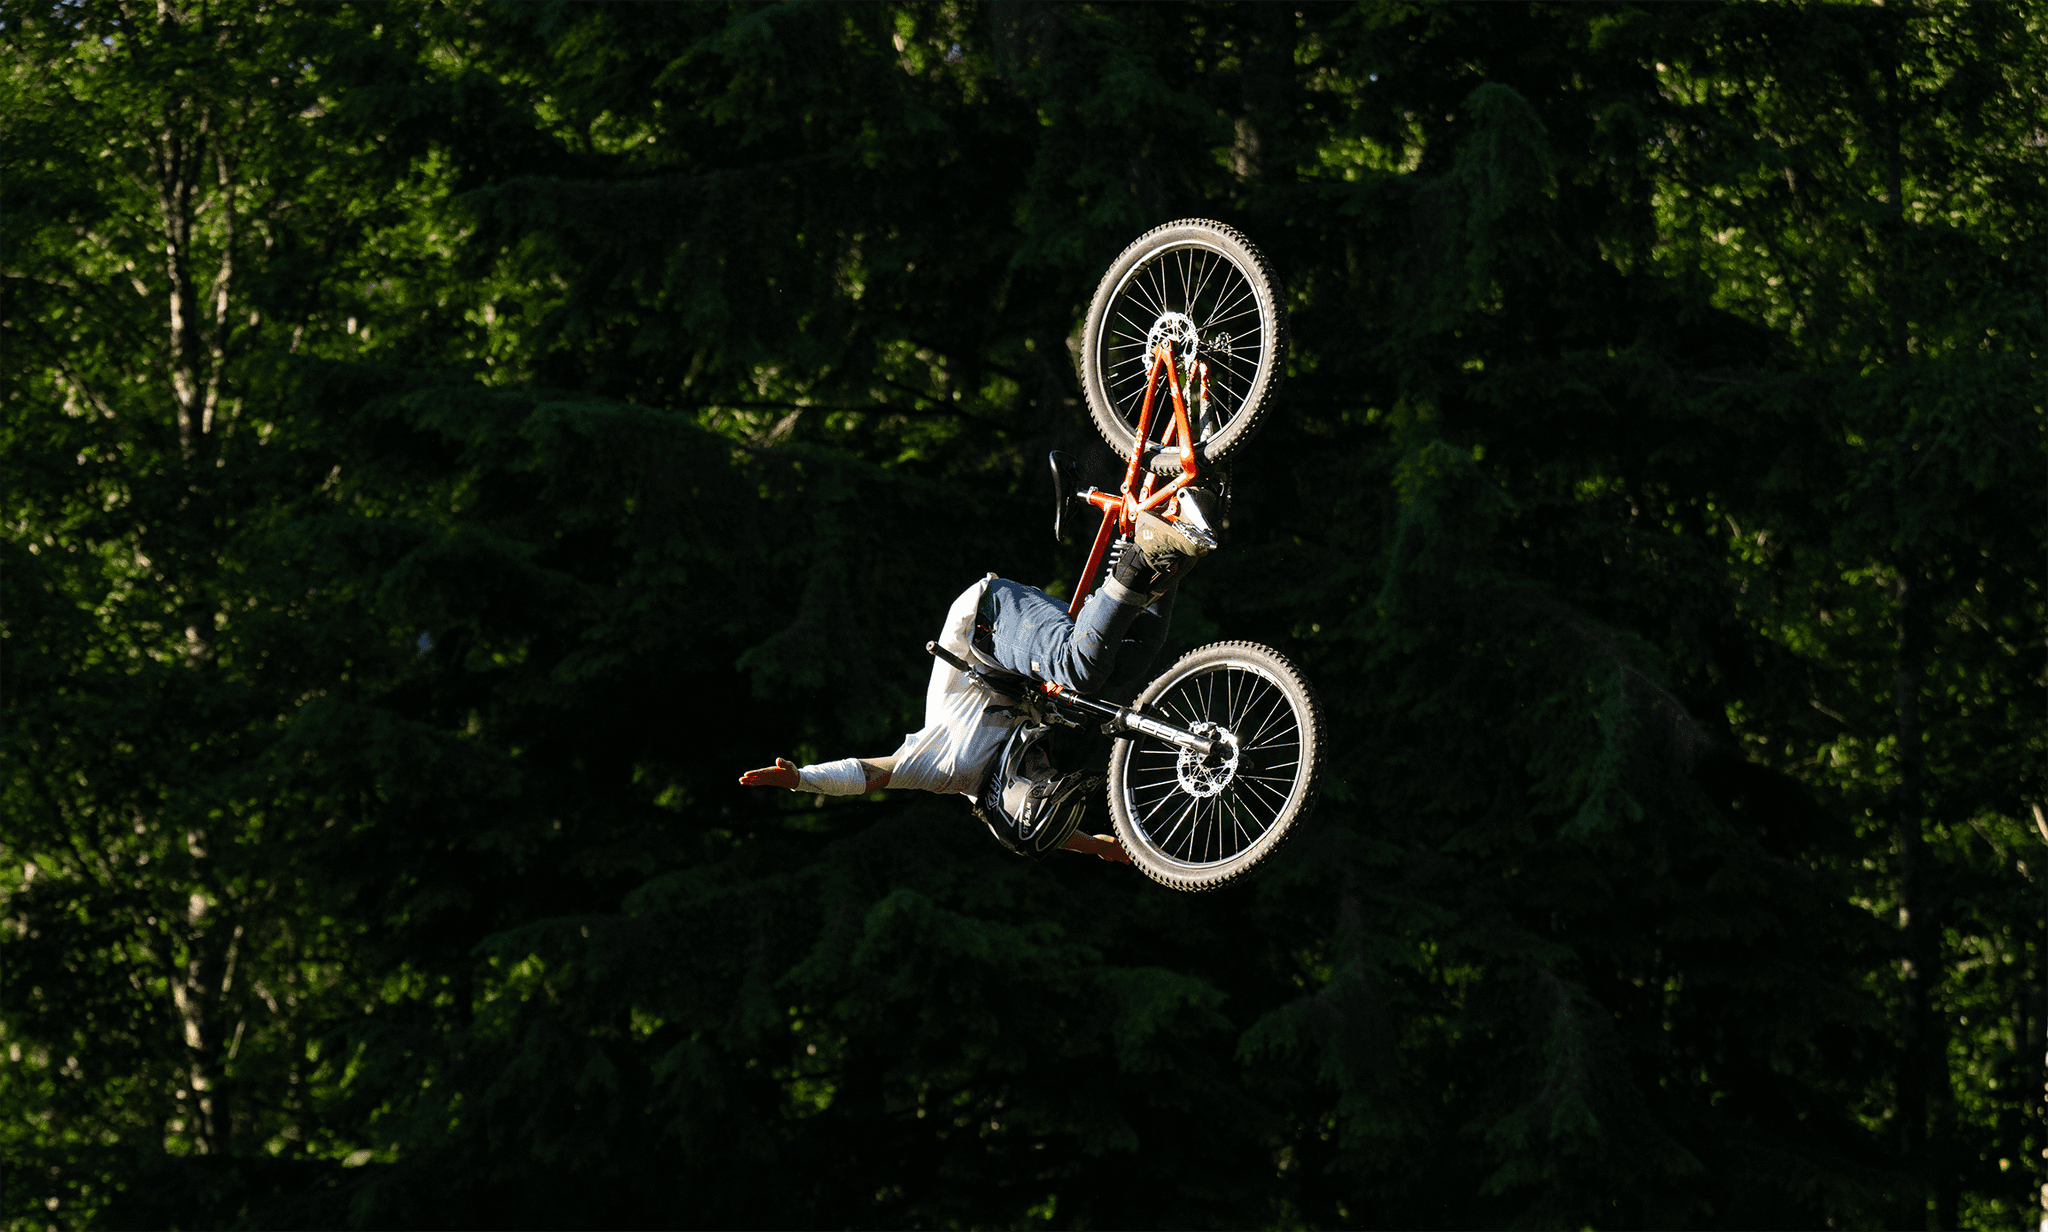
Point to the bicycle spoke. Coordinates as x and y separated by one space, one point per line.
1155 294
1247 295
1215 826
1257 716
1279 798
1143 329
1183 813
1229 271
1159 276
1277 711
1274 714
1217 298
1234 371
1233 368
1284 773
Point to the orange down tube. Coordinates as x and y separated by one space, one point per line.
1110 517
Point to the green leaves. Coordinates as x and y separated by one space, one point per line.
566 408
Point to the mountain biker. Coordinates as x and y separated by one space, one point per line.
1006 626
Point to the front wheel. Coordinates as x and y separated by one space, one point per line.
1194 823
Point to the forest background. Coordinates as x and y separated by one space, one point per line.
445 443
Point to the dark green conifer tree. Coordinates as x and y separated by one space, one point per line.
446 443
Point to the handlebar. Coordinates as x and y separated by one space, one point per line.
1120 718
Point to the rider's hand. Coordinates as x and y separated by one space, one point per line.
781 774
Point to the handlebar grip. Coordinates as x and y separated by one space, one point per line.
940 652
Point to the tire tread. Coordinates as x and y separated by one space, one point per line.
1311 791
1248 420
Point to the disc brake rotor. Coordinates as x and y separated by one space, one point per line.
1178 329
1203 777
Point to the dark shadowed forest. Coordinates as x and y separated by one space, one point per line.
445 443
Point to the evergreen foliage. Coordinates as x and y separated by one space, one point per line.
445 443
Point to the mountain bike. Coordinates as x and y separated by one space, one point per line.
1216 761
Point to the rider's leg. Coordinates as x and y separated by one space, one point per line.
1100 630
1140 647
1031 634
1107 650
1161 555
1149 577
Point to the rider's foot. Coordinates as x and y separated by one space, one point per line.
1167 543
1200 513
1136 583
1161 553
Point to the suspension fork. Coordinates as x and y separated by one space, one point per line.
1121 720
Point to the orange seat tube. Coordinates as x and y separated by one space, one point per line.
1161 358
1180 421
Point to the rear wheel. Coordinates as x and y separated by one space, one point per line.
1204 288
1195 823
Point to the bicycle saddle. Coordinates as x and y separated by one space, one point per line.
1062 491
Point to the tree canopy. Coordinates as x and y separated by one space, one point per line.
444 443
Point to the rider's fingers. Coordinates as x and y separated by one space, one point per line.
771 776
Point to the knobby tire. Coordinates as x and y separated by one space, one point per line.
1191 826
1217 287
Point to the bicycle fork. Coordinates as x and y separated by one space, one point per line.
1121 720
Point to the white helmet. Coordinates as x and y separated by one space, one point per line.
1030 807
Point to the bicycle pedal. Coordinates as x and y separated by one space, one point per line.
1196 515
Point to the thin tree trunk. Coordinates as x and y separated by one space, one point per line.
186 150
1923 1078
1918 967
194 991
1261 153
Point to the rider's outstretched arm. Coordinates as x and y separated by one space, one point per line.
876 772
832 778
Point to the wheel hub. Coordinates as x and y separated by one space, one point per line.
1203 777
1178 329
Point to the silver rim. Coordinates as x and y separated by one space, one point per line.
1199 814
1191 293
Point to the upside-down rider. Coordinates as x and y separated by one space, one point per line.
974 742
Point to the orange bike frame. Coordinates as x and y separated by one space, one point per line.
1120 511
